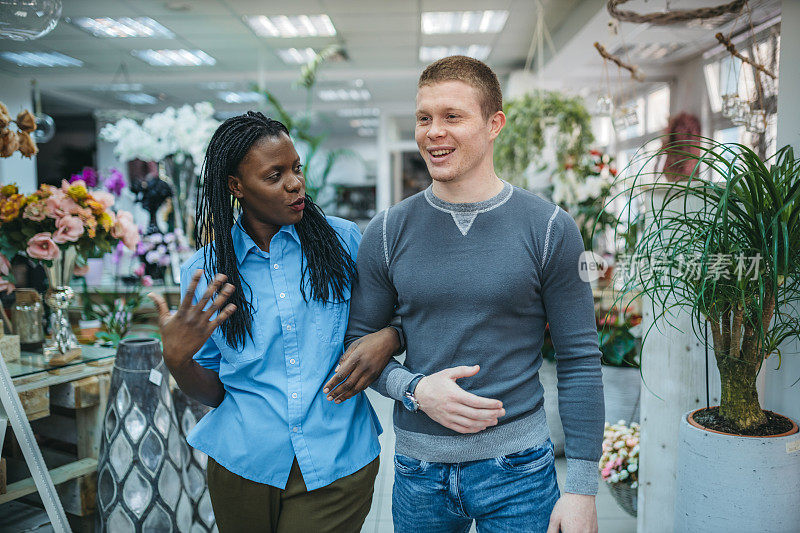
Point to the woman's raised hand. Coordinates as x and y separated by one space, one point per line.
184 332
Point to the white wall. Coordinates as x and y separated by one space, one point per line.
15 93
781 394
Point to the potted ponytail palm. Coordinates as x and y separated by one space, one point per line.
724 245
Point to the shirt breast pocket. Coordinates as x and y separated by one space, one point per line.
330 318
251 350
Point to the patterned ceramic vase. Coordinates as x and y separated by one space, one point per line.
143 456
189 412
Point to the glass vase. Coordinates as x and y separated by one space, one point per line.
59 296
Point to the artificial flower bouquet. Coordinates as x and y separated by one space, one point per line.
158 250
44 224
620 460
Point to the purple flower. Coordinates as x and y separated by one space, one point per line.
115 182
89 175
117 255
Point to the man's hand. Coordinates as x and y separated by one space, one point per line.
361 364
574 513
445 402
185 332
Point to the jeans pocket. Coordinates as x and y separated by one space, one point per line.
530 460
408 465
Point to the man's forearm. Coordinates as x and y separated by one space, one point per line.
198 382
394 380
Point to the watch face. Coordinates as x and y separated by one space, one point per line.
410 404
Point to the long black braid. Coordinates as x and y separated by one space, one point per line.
326 265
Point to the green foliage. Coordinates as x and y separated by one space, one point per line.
523 137
723 245
114 311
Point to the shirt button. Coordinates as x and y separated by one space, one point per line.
288 327
294 395
276 266
292 361
282 295
296 429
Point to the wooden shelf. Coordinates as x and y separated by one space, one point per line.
60 475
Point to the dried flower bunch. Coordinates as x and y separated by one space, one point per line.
12 141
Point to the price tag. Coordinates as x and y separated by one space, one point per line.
155 377
793 446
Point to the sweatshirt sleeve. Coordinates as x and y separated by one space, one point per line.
569 305
373 303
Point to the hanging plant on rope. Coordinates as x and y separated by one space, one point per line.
523 138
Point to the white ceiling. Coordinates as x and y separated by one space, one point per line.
381 39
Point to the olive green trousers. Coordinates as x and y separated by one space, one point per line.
242 505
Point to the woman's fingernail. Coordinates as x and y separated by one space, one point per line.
325 390
337 368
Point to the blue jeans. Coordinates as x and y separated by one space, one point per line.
515 492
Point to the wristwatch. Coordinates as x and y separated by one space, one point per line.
409 401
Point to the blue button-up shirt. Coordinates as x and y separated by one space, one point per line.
274 409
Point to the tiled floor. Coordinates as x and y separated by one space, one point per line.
611 518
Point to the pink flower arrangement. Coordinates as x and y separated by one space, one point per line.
42 246
620 460
38 225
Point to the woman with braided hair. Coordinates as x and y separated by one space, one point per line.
259 332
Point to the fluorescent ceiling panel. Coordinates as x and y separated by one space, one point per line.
240 97
340 95
291 26
355 112
432 53
122 27
441 22
41 59
170 58
296 56
137 98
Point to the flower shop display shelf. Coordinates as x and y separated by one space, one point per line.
63 406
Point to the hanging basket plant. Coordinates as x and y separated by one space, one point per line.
524 137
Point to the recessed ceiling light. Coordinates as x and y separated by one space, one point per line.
240 97
338 95
122 27
41 59
169 58
291 26
432 53
296 56
137 98
437 22
350 112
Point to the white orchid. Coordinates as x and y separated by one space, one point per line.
186 130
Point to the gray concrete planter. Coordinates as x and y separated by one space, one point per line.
728 483
621 389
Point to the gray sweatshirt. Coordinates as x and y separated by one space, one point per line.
476 283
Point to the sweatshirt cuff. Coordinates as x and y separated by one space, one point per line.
397 382
582 477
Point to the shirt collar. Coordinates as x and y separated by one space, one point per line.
243 243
